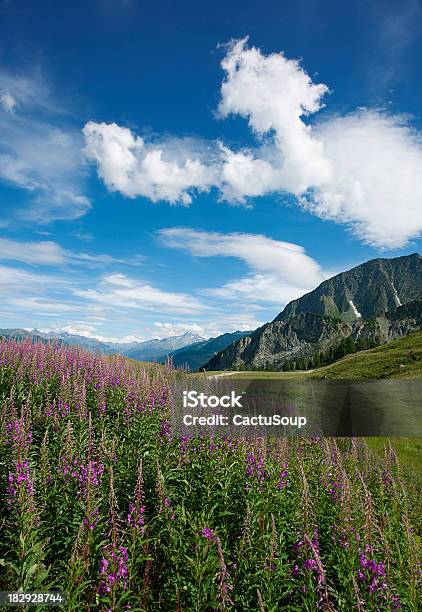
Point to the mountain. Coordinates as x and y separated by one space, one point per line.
90 344
195 355
155 350
148 350
379 300
366 291
24 334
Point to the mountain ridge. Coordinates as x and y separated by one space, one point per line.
195 355
364 302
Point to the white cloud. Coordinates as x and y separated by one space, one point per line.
120 291
259 287
128 164
281 271
287 262
164 330
43 306
43 252
82 235
24 294
363 170
29 91
8 102
376 186
243 175
274 94
47 252
40 151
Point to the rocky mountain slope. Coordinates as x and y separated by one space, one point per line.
380 300
369 290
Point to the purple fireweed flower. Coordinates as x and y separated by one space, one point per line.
113 569
255 466
372 574
283 480
310 564
135 517
91 519
101 407
17 435
333 488
165 430
342 535
19 480
297 545
184 442
89 475
208 534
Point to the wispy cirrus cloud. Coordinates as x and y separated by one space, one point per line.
394 27
44 252
279 271
121 291
40 150
50 253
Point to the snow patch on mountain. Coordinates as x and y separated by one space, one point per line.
355 310
396 296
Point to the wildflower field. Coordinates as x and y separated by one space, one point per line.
100 501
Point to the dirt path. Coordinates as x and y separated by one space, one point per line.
244 372
223 374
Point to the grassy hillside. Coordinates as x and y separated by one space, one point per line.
397 359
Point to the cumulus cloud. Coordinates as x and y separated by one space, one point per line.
376 186
128 164
244 175
275 94
363 170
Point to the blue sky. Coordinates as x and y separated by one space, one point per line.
169 167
